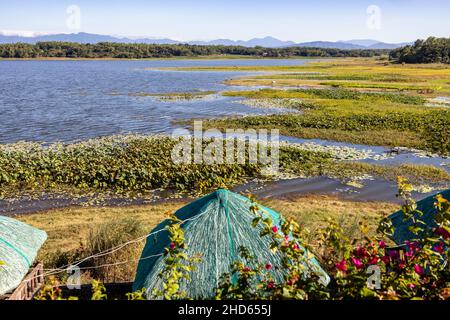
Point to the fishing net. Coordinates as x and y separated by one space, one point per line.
218 225
19 244
426 206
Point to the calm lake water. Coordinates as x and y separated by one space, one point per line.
72 100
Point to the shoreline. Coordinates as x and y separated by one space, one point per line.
213 57
375 191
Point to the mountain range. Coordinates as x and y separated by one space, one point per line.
268 42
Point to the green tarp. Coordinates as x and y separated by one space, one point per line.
19 244
401 232
219 224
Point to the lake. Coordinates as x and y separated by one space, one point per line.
73 100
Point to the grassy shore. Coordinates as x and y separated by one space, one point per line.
357 73
356 100
70 230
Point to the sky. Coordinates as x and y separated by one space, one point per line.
296 20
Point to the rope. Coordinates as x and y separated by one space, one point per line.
110 251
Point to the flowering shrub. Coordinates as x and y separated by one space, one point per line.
366 269
177 264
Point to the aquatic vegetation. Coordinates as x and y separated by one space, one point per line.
288 103
338 94
120 164
123 164
175 96
424 130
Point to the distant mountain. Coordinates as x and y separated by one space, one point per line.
268 42
361 42
328 44
383 45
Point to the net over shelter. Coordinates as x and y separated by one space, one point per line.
19 244
401 231
218 225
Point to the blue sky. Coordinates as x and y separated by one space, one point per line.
297 20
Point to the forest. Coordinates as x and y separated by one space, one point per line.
431 50
142 51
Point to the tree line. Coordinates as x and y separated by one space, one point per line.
141 51
431 50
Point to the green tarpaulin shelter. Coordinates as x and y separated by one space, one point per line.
401 232
19 244
218 225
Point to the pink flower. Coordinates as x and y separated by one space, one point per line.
413 246
439 247
410 286
361 252
442 232
373 260
342 266
268 266
382 244
418 269
172 245
270 285
357 263
296 247
393 254
286 241
274 229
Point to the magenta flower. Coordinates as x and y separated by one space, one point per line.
246 269
373 260
274 229
268 266
361 252
270 285
418 269
439 247
342 266
442 232
393 254
172 245
386 259
410 286
382 244
296 247
357 263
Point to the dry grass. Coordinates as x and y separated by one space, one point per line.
68 228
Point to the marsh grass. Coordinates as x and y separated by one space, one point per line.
429 79
386 119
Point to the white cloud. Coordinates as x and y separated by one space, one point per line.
22 33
